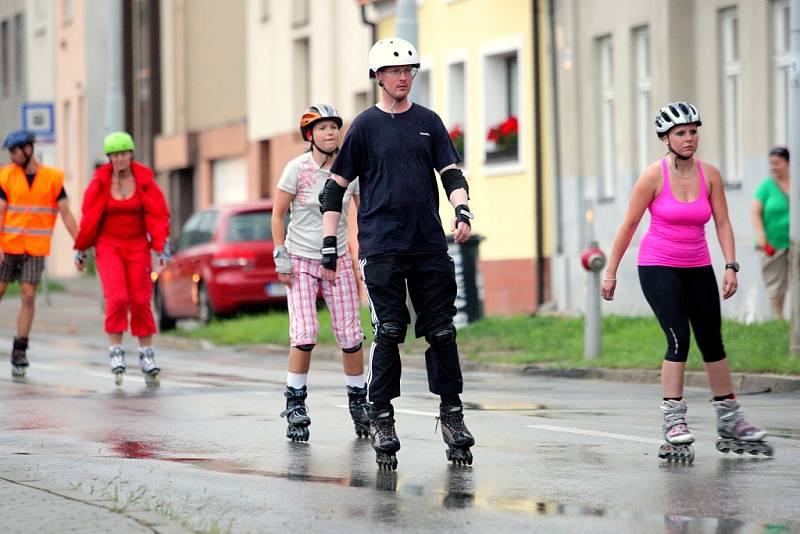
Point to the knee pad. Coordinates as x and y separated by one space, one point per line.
352 350
441 336
391 332
305 348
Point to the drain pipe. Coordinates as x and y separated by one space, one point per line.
537 157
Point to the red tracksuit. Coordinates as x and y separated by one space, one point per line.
123 232
123 262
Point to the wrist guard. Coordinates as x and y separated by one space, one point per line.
282 262
464 215
329 252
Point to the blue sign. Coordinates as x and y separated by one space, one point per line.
40 118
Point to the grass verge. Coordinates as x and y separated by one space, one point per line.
628 342
13 288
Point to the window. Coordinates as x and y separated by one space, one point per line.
4 59
198 230
299 12
422 87
783 71
302 82
605 53
731 96
249 226
67 12
264 11
502 107
642 90
457 106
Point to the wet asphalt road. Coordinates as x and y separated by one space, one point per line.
553 455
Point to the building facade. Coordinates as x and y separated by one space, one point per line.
616 64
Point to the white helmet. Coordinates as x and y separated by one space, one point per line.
674 114
392 52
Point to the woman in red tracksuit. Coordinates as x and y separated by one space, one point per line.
124 216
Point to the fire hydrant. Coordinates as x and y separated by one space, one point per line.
593 260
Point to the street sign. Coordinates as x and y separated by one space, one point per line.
40 118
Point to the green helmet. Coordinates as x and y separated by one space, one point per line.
118 142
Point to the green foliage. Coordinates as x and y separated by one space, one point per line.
54 287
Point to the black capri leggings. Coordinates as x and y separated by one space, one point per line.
680 296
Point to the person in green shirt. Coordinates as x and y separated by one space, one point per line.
770 215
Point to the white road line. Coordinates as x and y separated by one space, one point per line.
136 377
595 433
398 410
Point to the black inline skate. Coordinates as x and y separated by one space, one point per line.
296 413
359 409
19 359
455 434
384 437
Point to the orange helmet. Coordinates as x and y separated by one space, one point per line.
314 114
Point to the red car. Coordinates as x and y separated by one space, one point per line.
221 262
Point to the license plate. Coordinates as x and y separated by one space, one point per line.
275 289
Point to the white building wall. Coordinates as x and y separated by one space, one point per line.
339 43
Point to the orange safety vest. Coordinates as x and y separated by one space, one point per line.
31 211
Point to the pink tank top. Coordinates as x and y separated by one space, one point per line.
677 236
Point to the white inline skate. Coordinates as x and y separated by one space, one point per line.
678 445
736 434
116 358
147 364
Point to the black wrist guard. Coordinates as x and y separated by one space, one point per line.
330 198
329 252
463 214
453 179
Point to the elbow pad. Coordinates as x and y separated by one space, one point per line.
453 179
330 198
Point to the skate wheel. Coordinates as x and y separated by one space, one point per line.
768 450
723 447
386 461
118 379
459 456
297 433
152 381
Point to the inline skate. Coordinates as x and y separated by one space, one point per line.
736 434
147 364
296 413
359 409
678 446
19 359
383 437
116 358
455 434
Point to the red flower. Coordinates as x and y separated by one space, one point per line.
493 135
509 126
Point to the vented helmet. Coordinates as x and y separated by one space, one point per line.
392 52
675 114
314 114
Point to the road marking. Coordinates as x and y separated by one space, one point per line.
595 433
137 377
398 410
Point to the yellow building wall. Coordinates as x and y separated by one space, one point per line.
503 203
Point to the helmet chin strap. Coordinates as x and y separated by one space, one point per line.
328 155
27 157
683 158
395 100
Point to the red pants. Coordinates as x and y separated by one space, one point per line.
124 269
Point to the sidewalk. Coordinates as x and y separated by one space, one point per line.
77 310
31 506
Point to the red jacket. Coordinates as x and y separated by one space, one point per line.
95 200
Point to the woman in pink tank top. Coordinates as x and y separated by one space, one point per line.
677 279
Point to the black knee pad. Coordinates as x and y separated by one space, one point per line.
352 350
305 348
441 336
391 333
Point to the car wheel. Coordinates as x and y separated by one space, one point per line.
205 311
165 322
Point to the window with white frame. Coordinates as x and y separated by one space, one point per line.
502 107
731 95
642 90
457 106
264 9
19 51
783 72
422 88
605 56
302 76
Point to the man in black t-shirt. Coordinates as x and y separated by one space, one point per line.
393 149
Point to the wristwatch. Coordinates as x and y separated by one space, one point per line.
732 265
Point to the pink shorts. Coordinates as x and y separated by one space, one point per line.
341 298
